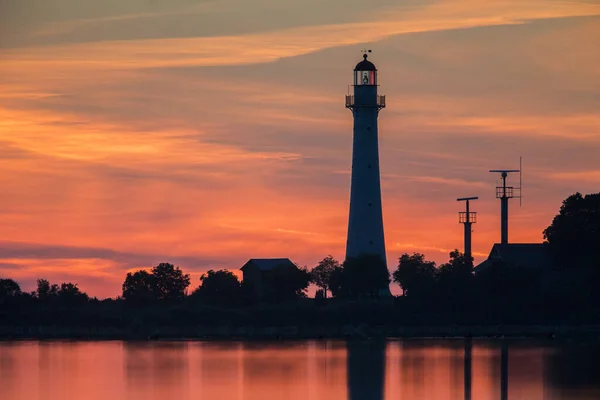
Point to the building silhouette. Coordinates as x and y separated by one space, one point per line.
365 223
254 272
535 256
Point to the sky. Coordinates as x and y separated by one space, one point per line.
204 133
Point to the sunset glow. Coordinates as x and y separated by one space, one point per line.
205 133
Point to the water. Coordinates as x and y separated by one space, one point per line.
310 370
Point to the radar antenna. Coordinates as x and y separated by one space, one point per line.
504 193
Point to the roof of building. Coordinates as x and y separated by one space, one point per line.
365 65
267 264
528 255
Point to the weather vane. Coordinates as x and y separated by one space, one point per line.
365 51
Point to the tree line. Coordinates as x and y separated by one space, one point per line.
450 291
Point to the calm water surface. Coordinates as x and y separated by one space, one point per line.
311 370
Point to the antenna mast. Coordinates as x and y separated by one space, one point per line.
520 181
467 218
504 193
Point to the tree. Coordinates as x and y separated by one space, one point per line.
219 287
285 283
164 282
574 234
45 290
9 289
170 282
321 274
336 281
69 293
456 275
365 276
459 265
139 287
415 275
573 239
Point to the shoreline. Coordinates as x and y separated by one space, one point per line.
302 333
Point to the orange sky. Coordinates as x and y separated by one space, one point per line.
208 132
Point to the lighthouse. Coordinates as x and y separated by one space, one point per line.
365 224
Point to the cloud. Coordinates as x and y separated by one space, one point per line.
133 150
9 266
63 262
293 42
587 176
437 180
38 251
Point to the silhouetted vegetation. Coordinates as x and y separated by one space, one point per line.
139 287
574 235
450 295
285 284
415 275
69 293
219 288
164 282
45 290
9 289
365 276
321 274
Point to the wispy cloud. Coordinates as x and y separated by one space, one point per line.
242 49
438 180
203 148
575 176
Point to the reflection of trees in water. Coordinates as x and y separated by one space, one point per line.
574 367
525 368
499 369
294 370
327 370
163 357
48 370
9 366
279 362
218 359
8 353
412 368
425 369
217 370
330 360
150 365
274 370
366 369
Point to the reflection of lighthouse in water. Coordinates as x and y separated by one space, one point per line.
365 225
366 369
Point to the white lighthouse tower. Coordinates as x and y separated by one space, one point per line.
365 225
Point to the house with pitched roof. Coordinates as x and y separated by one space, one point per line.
518 255
254 269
